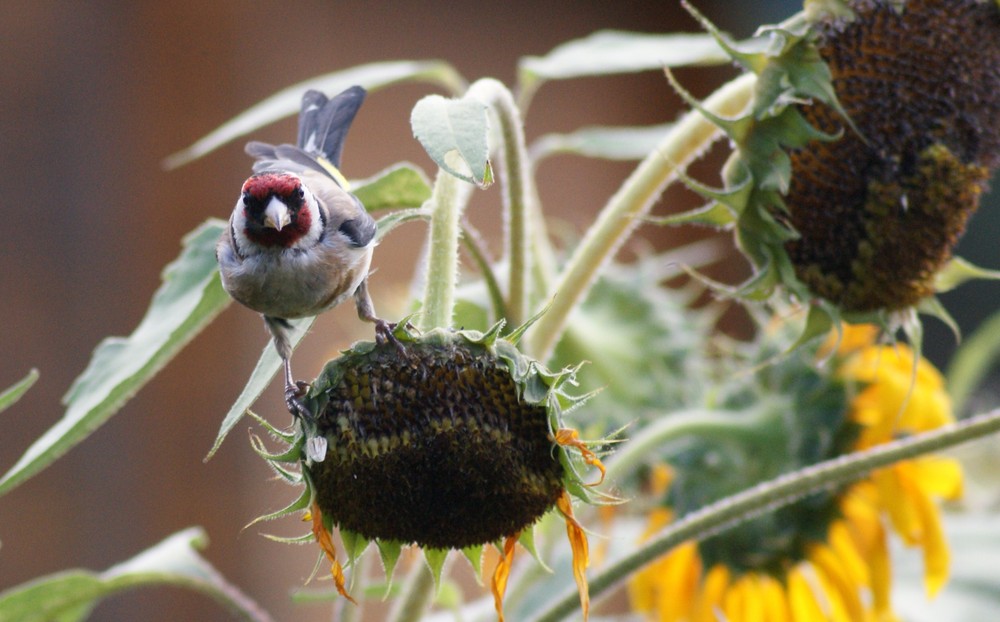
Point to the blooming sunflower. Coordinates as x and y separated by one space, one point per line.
446 440
834 563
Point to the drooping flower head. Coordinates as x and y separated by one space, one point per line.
874 128
825 557
444 440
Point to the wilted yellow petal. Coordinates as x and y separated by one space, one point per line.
578 544
568 437
804 605
325 542
502 572
714 588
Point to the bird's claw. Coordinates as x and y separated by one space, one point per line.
385 333
293 400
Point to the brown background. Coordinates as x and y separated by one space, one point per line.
93 96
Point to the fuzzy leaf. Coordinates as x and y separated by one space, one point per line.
10 396
609 143
399 186
71 595
267 366
286 102
189 298
609 52
455 133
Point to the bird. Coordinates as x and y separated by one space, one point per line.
298 242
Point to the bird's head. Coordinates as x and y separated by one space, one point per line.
277 210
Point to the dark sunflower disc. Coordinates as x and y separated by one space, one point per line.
434 445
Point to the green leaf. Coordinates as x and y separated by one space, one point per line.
71 595
973 361
402 185
609 143
455 133
189 298
267 366
9 397
608 52
286 102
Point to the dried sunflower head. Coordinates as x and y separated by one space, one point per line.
444 440
874 127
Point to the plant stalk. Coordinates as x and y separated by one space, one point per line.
448 201
516 193
623 212
771 495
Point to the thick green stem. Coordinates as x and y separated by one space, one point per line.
774 494
448 201
634 199
516 192
701 423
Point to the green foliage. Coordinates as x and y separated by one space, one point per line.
71 595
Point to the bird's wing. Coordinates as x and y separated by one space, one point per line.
343 211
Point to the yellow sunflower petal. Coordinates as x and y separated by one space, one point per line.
846 550
753 602
805 607
939 476
502 572
775 602
682 573
832 569
325 542
895 496
714 588
578 544
936 554
880 570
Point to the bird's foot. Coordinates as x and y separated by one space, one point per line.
293 400
385 333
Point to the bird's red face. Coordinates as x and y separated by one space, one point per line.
275 209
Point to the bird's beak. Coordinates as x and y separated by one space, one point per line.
276 215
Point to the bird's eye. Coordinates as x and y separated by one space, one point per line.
246 198
300 192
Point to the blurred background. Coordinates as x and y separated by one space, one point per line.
94 96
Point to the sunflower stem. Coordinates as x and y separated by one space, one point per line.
772 495
702 423
418 591
448 202
516 192
634 199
